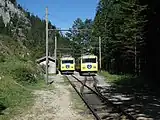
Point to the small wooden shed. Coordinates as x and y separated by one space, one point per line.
51 64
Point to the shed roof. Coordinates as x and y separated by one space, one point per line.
44 59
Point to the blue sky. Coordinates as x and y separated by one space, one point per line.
62 13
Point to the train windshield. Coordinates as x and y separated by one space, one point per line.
67 61
89 60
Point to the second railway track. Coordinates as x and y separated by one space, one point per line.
101 107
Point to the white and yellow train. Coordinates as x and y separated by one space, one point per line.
87 65
67 64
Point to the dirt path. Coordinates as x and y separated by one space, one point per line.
52 105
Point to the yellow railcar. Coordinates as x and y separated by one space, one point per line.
67 65
87 65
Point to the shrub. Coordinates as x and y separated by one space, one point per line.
24 75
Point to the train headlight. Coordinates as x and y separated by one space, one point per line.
84 67
94 67
62 67
72 67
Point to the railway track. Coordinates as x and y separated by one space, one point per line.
100 106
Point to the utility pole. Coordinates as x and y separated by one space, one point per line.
135 58
55 54
100 64
139 66
46 45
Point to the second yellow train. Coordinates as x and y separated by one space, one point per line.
87 65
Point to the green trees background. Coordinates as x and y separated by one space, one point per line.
130 33
128 28
120 23
80 37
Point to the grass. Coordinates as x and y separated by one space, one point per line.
112 77
19 77
40 85
15 98
124 80
16 95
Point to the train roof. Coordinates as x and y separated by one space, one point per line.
88 56
66 55
67 58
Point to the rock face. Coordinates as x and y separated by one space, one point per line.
15 17
8 10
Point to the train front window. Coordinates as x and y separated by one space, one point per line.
89 60
67 61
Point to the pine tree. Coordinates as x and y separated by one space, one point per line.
80 40
120 24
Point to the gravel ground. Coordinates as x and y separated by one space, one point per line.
52 105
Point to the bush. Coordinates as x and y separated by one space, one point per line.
24 75
22 71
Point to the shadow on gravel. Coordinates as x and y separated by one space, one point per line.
138 97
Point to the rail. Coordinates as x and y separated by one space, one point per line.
99 95
89 107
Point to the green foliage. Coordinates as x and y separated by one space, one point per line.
120 24
16 75
12 63
13 98
36 41
80 40
9 47
17 70
15 64
113 78
20 7
24 75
